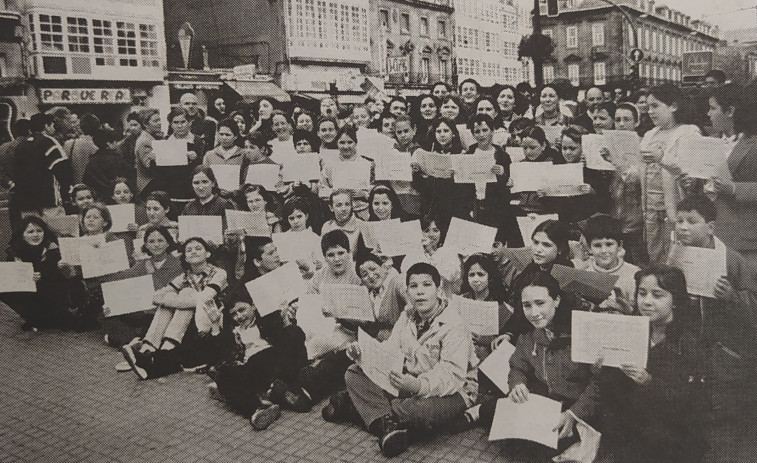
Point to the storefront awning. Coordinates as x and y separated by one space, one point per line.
252 90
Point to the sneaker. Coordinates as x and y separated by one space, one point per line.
131 358
339 408
299 402
461 423
29 327
215 393
264 417
392 438
123 366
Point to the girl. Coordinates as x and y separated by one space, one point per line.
262 111
542 364
255 198
383 204
654 414
450 109
535 149
82 196
207 200
192 296
283 128
121 193
660 190
172 179
305 121
164 266
348 159
424 114
483 282
360 117
445 260
297 212
228 152
33 242
157 207
327 128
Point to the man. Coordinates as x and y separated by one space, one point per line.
21 130
713 79
81 148
202 126
40 165
594 98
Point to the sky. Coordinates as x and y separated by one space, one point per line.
719 12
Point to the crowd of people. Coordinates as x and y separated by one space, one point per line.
691 402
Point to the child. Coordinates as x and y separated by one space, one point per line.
655 414
121 193
387 292
403 132
348 158
283 127
383 204
207 199
157 207
229 153
172 179
192 296
255 198
335 246
535 149
604 119
438 380
255 353
445 260
357 230
606 247
360 117
542 364
82 197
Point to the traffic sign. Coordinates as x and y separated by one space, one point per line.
637 55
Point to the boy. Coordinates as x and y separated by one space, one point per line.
357 231
726 324
387 292
262 257
606 248
438 379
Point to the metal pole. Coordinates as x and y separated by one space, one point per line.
538 63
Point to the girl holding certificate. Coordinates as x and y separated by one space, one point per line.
207 200
536 149
348 159
655 414
33 242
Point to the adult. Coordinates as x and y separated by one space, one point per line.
81 148
218 111
173 179
713 79
200 125
21 130
470 90
549 112
594 98
143 152
440 90
105 165
125 148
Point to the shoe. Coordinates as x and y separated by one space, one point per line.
339 409
264 417
392 438
461 423
279 393
133 358
123 366
215 393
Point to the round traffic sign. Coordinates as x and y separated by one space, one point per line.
637 55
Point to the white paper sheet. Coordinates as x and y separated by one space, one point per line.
297 245
496 366
553 134
702 157
466 136
469 237
227 176
17 277
624 148
128 296
529 223
376 361
208 227
104 259
268 292
351 175
253 223
434 164
534 176
170 152
348 302
702 267
394 166
617 339
122 215
302 167
532 420
482 316
396 238
591 145
516 153
70 247
322 334
63 225
265 175
373 144
473 168
500 137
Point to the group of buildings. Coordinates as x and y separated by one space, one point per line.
108 55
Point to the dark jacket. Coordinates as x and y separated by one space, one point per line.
43 172
103 167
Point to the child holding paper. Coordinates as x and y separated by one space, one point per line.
256 355
207 199
255 198
403 132
228 153
121 193
438 378
357 230
33 242
656 414
157 208
172 179
347 142
446 261
536 149
192 296
541 364
82 196
726 317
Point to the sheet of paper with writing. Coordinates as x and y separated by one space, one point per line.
103 259
482 316
534 176
265 175
227 176
532 420
469 237
703 267
70 247
303 167
377 360
473 168
347 302
702 157
253 223
268 292
592 146
17 277
616 339
624 148
394 166
129 295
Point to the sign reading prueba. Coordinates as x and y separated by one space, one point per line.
85 96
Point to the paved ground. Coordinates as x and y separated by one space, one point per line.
62 401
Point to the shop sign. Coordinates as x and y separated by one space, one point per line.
85 96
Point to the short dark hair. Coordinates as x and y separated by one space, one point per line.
230 124
346 129
480 119
103 136
423 268
104 212
718 75
407 119
163 231
603 226
364 257
39 121
629 107
183 257
81 187
701 204
609 107
545 280
334 239
255 245
161 197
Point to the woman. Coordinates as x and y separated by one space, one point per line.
470 90
424 114
659 149
327 129
347 141
305 121
262 111
440 90
172 179
451 109
207 200
283 127
511 105
33 242
242 127
656 414
549 104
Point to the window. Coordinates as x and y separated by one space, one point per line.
599 73
405 23
103 42
549 73
78 37
574 74
148 45
654 40
647 39
668 44
444 68
425 70
598 34
127 43
424 27
51 32
571 37
384 18
441 29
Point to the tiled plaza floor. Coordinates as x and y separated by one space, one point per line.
62 401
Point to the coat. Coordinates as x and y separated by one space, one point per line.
737 215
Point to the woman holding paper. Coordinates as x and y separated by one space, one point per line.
157 207
207 200
172 179
33 242
541 364
511 104
656 414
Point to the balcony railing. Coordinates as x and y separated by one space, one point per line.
417 79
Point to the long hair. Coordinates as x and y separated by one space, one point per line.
672 280
387 190
455 146
496 288
18 247
557 232
208 173
166 235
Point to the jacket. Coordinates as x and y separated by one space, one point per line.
737 214
43 173
103 167
145 159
